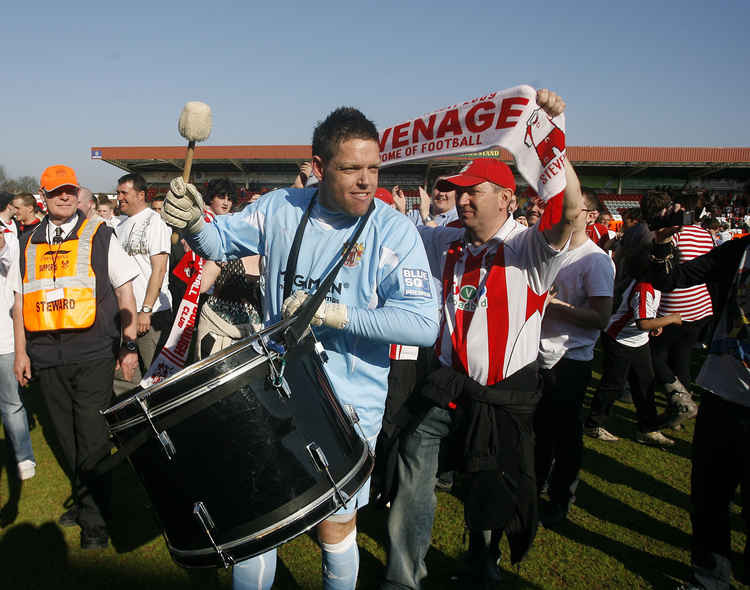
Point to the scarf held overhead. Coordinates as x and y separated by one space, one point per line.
509 119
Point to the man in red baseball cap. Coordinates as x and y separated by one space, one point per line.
494 275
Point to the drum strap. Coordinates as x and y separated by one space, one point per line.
305 313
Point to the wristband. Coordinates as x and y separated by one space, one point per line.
130 345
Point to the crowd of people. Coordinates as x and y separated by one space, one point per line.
464 336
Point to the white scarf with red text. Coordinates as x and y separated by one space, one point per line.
509 119
173 356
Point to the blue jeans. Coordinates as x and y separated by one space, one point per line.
413 509
13 413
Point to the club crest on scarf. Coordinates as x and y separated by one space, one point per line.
352 260
544 137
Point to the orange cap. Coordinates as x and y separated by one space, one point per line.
57 176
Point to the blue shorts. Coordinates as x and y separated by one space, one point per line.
357 501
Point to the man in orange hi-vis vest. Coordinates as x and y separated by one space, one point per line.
76 281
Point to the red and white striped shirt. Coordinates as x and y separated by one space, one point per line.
598 233
492 296
692 303
639 302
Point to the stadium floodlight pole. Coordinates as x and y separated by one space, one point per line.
194 125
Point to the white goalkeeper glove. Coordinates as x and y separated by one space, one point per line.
183 207
333 315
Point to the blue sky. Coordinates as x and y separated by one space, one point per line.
82 74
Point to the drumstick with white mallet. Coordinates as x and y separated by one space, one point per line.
194 125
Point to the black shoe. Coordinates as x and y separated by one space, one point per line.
552 514
95 537
479 572
69 518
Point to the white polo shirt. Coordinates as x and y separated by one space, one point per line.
121 268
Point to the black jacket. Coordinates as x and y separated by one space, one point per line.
493 442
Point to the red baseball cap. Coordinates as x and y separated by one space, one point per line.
57 176
479 171
384 195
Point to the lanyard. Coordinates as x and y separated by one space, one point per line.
293 334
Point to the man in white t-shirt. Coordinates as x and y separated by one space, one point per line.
146 238
13 413
575 315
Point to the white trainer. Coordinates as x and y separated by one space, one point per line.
26 469
600 433
654 439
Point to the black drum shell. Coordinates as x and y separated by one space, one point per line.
242 448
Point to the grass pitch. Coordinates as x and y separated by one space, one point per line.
629 528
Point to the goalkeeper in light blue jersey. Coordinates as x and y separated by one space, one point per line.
382 294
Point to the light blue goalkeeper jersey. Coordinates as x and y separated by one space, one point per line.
385 284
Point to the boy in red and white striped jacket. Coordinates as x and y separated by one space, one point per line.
627 357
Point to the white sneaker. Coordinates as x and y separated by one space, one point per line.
600 433
26 469
654 439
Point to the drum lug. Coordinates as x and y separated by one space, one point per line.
204 518
276 376
277 380
166 442
321 463
321 351
354 417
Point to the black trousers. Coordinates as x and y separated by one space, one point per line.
672 350
721 461
74 394
621 363
558 428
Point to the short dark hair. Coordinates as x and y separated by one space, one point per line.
161 197
687 201
591 200
139 183
341 125
104 200
637 258
5 200
653 202
633 213
28 200
221 186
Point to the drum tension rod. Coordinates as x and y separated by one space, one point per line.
162 437
321 462
204 518
276 376
354 417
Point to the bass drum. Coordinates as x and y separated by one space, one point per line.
243 450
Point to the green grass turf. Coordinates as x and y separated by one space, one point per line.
629 528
